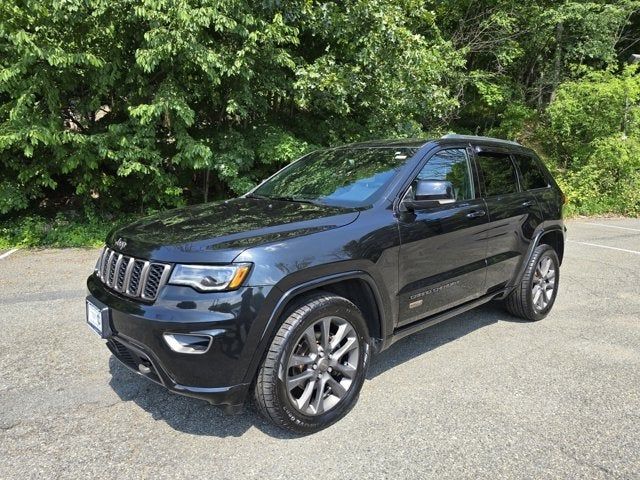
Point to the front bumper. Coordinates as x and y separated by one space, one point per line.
221 374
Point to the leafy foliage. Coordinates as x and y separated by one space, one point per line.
598 105
609 181
130 105
594 133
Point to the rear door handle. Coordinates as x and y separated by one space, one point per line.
477 213
528 203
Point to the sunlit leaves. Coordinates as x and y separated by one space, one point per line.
139 104
381 63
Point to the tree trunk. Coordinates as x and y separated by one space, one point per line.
557 64
206 185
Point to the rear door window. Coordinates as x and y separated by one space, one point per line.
498 172
531 174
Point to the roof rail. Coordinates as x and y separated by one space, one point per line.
476 138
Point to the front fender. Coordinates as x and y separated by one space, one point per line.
291 288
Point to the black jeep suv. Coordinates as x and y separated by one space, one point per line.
284 293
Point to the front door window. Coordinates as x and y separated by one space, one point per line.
453 166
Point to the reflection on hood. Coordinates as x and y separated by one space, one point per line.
230 226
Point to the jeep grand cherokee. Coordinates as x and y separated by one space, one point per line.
284 293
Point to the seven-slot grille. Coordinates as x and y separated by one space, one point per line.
131 276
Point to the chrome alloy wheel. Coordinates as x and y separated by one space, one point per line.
322 366
544 283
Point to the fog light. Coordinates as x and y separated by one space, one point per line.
144 369
188 342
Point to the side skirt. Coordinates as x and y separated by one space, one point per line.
429 321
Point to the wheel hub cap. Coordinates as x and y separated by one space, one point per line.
544 283
322 366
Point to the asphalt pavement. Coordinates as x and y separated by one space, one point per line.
482 395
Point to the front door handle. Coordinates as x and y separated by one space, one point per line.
476 213
528 203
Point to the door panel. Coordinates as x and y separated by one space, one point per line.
442 259
513 217
512 221
443 248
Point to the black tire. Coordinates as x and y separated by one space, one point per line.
520 302
275 401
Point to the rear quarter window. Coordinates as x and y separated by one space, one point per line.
498 173
531 174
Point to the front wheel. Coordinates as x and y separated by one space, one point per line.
533 299
315 366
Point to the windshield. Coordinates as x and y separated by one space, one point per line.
350 177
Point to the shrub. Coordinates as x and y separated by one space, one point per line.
64 230
609 180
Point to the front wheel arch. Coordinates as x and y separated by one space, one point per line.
271 390
378 316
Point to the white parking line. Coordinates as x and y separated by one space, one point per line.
612 226
605 246
6 254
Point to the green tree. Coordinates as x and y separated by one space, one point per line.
594 133
135 105
518 53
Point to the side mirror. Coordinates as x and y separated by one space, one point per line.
429 193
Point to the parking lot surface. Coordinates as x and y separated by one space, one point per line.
482 395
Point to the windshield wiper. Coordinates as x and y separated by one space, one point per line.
285 198
291 198
255 195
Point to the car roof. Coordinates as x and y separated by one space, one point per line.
401 142
479 139
445 139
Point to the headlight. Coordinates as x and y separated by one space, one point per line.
209 278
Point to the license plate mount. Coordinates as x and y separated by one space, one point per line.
97 315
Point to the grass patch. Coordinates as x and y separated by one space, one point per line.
63 230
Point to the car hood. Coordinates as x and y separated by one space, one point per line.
218 232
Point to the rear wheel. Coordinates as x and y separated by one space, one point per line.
534 297
316 365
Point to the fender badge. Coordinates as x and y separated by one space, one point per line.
415 304
434 290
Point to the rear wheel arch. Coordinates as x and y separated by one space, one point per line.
555 239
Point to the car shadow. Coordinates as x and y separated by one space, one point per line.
197 417
433 337
185 414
